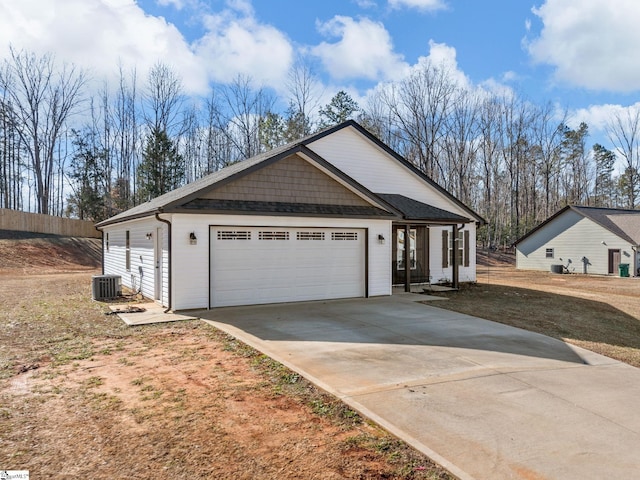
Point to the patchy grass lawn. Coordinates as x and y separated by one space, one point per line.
84 396
599 313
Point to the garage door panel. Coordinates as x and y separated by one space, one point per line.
253 265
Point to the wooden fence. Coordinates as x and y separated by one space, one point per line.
39 223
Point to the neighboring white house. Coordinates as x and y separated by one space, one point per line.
584 240
324 217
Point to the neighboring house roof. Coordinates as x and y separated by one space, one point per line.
414 210
624 223
184 198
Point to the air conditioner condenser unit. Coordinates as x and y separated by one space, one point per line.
105 287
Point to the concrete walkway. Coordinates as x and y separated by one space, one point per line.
484 400
146 314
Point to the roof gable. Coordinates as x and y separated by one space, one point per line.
363 156
623 223
199 189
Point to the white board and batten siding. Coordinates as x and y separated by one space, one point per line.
197 281
142 260
572 238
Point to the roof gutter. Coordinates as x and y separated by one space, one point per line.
163 220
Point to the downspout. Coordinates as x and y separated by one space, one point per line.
157 215
102 256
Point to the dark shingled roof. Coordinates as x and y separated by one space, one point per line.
285 208
414 210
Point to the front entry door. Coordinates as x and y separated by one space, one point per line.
418 244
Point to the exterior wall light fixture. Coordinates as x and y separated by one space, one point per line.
193 240
381 239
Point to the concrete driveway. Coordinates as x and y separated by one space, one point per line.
484 400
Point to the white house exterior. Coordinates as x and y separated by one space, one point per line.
584 240
325 217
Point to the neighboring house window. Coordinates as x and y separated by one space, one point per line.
127 250
549 253
106 241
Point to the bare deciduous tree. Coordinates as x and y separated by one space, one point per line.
164 98
419 106
239 116
624 133
42 98
303 88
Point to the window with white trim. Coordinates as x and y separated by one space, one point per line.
548 253
457 246
400 249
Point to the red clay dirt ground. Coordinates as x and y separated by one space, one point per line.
23 252
84 396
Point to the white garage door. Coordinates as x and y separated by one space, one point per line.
254 265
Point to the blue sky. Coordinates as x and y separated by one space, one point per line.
577 54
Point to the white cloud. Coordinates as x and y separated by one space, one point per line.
99 35
599 116
510 76
427 5
242 6
239 45
444 56
177 4
365 50
591 43
366 3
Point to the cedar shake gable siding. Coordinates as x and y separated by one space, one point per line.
296 181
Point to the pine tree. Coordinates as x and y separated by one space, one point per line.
162 168
88 200
604 185
340 109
